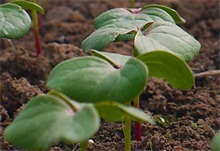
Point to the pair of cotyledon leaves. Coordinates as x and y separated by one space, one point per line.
153 28
14 20
54 117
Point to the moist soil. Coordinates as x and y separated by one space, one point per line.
186 120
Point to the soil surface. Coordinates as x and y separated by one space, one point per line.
186 120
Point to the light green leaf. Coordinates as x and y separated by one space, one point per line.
91 79
167 36
216 142
100 38
166 65
110 15
124 16
157 14
47 120
27 5
14 21
116 112
175 16
115 59
138 17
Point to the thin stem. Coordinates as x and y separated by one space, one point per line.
36 30
137 102
11 44
127 133
83 146
138 132
208 73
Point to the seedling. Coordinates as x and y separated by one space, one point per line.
87 80
158 42
103 85
32 5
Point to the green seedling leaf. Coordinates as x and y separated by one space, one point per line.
138 17
99 39
116 112
215 142
115 59
155 12
110 15
125 16
168 66
119 31
27 5
167 36
91 79
14 21
48 119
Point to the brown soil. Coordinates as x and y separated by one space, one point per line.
186 120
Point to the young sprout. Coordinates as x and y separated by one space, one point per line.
34 7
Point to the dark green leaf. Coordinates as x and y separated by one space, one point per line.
176 17
115 59
100 38
167 36
14 21
116 112
138 17
29 5
91 79
166 65
47 119
110 15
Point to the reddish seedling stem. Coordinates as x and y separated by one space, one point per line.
37 41
36 30
138 131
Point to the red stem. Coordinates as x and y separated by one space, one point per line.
37 41
138 131
36 30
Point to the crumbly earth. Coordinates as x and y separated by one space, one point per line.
186 120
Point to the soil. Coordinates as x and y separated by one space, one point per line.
186 120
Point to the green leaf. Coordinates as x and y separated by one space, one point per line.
47 120
91 79
100 38
157 14
122 15
115 59
27 5
116 112
176 17
215 142
138 17
14 21
167 36
166 65
110 15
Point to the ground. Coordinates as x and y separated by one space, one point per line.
186 120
